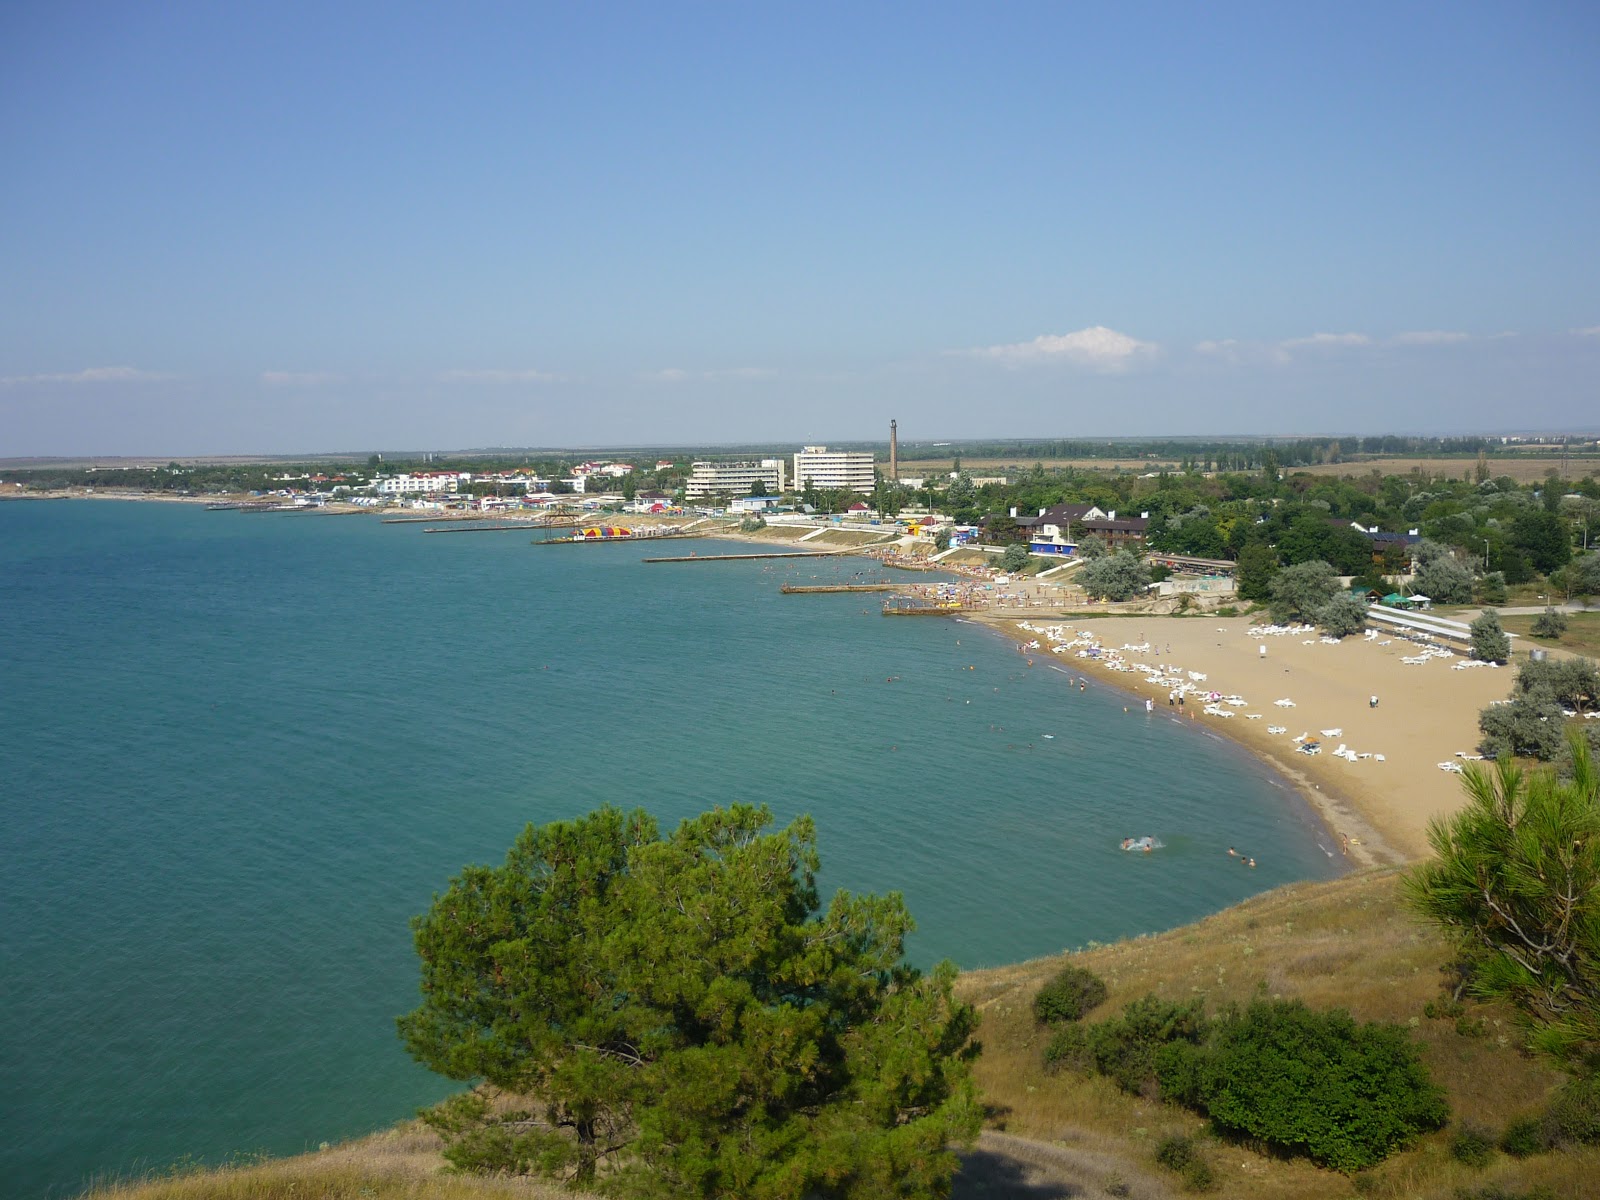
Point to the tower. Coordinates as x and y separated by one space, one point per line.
894 452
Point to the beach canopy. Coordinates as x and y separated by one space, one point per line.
1395 598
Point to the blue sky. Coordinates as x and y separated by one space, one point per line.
300 227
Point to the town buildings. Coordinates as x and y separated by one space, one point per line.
735 478
819 467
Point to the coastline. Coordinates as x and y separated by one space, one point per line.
1424 718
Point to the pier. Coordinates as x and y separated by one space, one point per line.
913 606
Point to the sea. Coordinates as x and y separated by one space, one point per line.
240 751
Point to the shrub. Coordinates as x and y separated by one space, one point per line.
1014 558
1549 624
1575 1112
1175 1152
1317 1083
1068 1050
1180 1154
1124 1047
1074 992
1116 1185
1525 1137
1472 1146
1489 640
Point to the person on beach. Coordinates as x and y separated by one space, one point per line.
1373 702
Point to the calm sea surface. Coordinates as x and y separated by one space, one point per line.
238 752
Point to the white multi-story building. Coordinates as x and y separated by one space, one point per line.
422 483
734 478
824 468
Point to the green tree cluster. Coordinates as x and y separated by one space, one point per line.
1118 576
680 1013
1515 880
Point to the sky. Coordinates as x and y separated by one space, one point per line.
298 227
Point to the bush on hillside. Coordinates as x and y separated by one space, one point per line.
1525 1137
1014 558
1574 1115
1179 1153
1124 1047
1472 1146
1068 1050
1313 1082
1074 992
1489 640
1529 726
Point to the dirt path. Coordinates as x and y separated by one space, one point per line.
1005 1167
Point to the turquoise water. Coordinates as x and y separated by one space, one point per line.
240 751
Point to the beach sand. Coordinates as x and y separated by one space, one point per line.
1425 714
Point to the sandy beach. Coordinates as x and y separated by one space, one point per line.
1426 712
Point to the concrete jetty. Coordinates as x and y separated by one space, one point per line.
753 557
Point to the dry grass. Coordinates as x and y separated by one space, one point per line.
402 1163
1347 943
1582 635
1524 469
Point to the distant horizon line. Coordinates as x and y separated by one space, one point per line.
24 462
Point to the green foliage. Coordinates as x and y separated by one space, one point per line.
1573 682
1342 616
1525 1137
1117 576
681 1009
1516 881
1544 538
1068 1050
1302 591
1583 575
1258 565
1528 725
1472 1146
1549 624
941 540
1492 588
1124 1047
1181 1154
1574 1115
1489 640
1093 546
1317 1083
1073 993
1015 557
1444 580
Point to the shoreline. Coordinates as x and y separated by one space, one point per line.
1332 813
1382 807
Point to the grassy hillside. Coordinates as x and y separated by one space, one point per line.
1348 943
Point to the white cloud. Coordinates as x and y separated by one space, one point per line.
299 378
498 376
1593 331
88 375
1326 341
1428 337
1096 347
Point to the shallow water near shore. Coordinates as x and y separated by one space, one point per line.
242 750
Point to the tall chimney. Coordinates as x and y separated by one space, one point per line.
894 452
